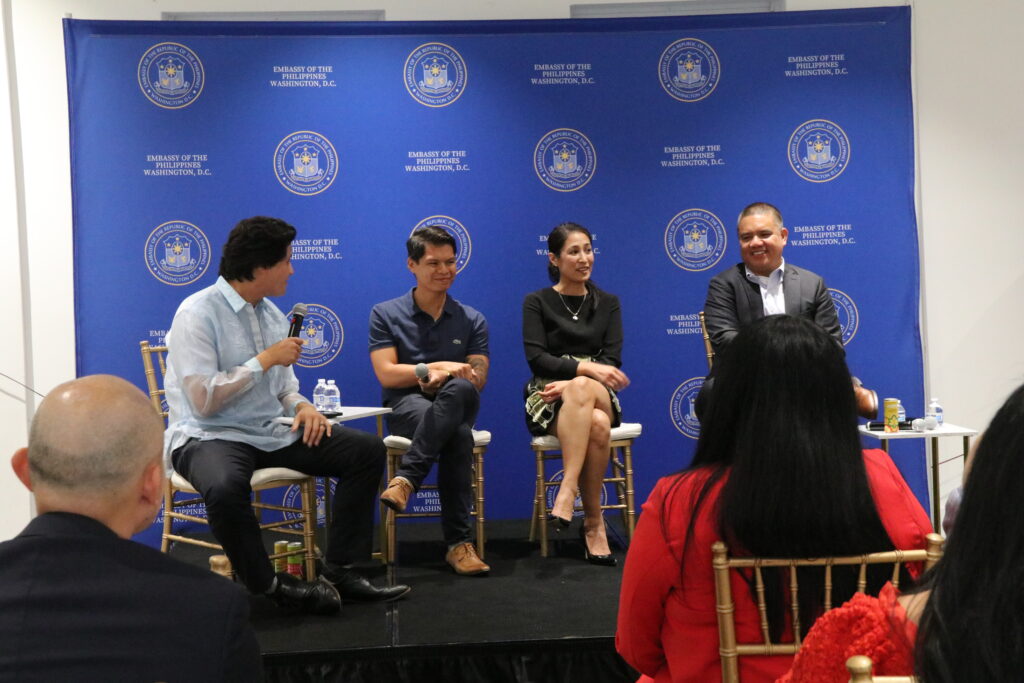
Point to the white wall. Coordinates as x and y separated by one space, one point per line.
969 105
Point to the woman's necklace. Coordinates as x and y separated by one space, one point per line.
575 314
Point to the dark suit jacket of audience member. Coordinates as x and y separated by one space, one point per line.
78 603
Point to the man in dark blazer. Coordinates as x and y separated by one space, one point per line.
79 600
764 284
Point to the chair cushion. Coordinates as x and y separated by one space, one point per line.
626 430
259 478
480 438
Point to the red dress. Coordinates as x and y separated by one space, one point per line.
670 632
876 627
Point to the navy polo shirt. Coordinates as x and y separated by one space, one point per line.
461 331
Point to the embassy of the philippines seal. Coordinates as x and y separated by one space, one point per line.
819 150
846 310
323 336
177 253
565 160
681 407
463 244
171 75
292 498
435 74
689 69
305 163
695 239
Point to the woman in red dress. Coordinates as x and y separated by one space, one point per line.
778 471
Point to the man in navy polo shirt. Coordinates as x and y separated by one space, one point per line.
426 326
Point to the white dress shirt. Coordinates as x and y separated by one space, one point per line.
772 295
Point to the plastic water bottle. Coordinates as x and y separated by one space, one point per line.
901 412
332 397
318 395
934 410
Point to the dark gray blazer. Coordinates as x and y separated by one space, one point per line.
734 301
78 603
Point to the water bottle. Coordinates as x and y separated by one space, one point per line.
901 412
934 410
318 395
332 397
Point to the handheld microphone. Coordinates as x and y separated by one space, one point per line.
296 316
422 372
916 424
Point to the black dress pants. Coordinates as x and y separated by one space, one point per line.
220 470
441 431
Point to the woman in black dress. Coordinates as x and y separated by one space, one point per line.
572 334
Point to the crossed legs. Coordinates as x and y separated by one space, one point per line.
583 428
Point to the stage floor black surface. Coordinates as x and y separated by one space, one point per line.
531 619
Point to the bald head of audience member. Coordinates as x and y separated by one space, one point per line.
95 449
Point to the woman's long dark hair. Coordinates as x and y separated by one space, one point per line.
556 241
781 423
972 627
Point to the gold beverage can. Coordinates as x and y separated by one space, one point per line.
280 563
892 415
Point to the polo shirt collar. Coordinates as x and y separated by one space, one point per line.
447 310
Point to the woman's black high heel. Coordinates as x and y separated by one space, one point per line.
558 524
603 560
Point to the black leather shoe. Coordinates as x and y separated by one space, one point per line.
603 560
312 597
351 585
558 524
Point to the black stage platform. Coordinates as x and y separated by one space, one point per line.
532 619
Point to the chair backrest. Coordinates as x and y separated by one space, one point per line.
730 650
707 340
154 383
859 667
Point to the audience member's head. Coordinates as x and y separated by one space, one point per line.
972 627
95 449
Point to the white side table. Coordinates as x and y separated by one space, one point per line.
933 436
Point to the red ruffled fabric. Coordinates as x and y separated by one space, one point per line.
876 627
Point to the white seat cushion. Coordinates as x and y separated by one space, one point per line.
480 438
626 430
259 478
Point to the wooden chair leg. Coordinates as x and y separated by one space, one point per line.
478 488
541 505
308 491
627 461
165 542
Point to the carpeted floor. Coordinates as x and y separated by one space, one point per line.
528 620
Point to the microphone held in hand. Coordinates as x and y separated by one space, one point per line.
296 317
422 372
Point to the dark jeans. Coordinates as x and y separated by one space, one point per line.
441 431
220 470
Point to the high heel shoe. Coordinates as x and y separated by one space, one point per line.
558 524
603 560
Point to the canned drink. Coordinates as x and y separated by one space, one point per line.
295 558
892 415
280 563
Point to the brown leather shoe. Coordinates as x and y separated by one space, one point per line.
465 561
396 495
867 401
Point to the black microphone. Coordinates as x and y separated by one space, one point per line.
296 316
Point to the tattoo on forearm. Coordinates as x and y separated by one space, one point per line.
479 366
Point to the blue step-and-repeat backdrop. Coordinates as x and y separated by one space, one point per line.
653 133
